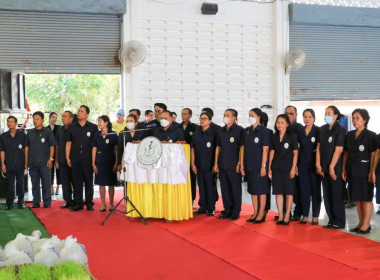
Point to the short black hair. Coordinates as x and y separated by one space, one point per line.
364 114
137 111
87 109
39 113
207 114
147 112
161 105
286 118
12 117
167 111
190 111
70 113
132 116
233 112
311 111
291 106
52 113
208 110
174 114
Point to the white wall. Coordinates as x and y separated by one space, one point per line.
231 59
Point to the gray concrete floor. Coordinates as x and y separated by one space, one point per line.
351 215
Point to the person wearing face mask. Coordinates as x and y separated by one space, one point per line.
158 109
358 158
168 132
309 181
104 152
130 135
329 161
254 163
227 164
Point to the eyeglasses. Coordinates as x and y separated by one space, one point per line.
290 114
203 119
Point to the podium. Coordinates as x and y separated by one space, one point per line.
161 190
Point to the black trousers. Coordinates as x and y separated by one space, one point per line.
230 184
310 184
334 200
206 184
54 170
83 174
18 176
66 180
297 198
193 181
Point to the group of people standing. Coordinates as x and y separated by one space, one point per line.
294 160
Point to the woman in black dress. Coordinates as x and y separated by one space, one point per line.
104 153
53 116
282 166
309 180
253 163
329 159
359 156
376 172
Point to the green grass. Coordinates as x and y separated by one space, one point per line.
8 273
34 272
70 271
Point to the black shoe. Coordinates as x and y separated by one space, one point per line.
65 206
275 218
279 222
259 221
35 205
378 211
315 223
72 206
52 193
76 208
21 206
303 222
234 217
199 212
46 206
285 223
102 210
8 207
224 216
336 227
252 219
295 218
327 226
359 232
90 208
210 213
355 229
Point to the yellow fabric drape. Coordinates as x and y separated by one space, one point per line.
171 202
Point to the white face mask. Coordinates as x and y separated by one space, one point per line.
329 119
226 120
130 125
164 123
252 120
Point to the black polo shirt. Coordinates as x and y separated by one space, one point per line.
105 147
283 151
295 126
215 126
204 144
14 150
80 138
172 134
329 139
61 137
189 131
359 152
39 143
229 142
138 136
254 140
308 144
55 129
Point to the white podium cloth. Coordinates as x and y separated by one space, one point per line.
171 168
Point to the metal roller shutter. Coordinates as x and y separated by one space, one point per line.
36 42
343 62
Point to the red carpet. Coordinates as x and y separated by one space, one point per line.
208 248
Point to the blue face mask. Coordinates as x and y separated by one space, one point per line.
329 119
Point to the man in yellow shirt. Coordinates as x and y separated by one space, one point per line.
120 123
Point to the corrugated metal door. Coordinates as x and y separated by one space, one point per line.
343 62
59 43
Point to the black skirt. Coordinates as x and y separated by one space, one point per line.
282 184
105 176
362 190
257 185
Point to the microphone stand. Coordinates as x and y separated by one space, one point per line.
125 196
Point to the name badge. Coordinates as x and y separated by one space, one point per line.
208 144
88 134
191 133
232 139
330 139
20 146
361 148
312 139
170 141
42 140
256 140
286 145
107 141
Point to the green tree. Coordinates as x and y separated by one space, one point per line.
48 92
